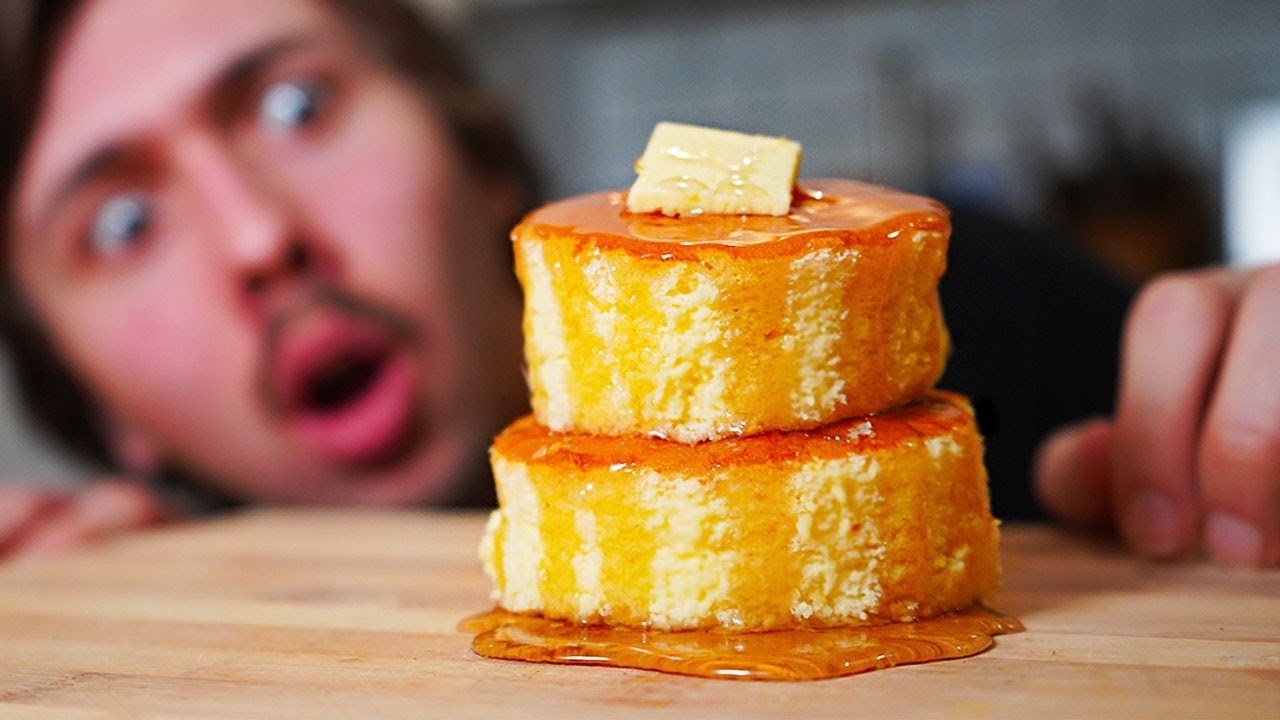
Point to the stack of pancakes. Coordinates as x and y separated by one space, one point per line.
733 420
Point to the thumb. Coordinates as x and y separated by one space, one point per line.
1073 473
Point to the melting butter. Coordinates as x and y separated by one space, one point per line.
691 170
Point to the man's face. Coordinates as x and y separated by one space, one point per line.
263 253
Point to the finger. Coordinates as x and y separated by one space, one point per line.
1073 473
102 509
21 509
1171 348
1239 463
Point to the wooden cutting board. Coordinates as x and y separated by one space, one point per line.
353 614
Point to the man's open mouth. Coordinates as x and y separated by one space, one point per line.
345 385
341 380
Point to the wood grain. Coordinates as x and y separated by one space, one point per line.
319 613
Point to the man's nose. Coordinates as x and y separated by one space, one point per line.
258 235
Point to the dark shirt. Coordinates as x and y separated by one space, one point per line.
1035 331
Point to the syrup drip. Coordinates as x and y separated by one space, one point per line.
779 655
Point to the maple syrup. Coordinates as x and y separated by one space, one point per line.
857 211
778 655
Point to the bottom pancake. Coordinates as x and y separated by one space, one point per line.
866 521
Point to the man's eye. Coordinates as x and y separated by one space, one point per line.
289 104
120 222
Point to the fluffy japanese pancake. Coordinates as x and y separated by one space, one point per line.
708 326
864 521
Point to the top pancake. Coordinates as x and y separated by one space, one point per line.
707 326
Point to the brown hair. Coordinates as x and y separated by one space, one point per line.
30 30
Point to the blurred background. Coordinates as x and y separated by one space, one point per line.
1147 130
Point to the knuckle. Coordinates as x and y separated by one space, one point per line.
1173 301
127 501
1265 286
21 499
1243 440
1241 450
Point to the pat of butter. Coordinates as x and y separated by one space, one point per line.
690 170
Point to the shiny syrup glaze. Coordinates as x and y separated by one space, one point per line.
823 209
779 655
937 414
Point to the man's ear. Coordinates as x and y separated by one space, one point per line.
133 448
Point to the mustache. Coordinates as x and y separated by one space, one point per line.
325 299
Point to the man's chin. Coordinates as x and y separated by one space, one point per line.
434 470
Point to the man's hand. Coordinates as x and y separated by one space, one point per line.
40 520
1193 453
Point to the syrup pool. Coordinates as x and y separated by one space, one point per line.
779 655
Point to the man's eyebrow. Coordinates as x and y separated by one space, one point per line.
90 167
248 66
234 74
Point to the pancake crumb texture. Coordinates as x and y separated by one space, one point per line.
871 520
718 340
